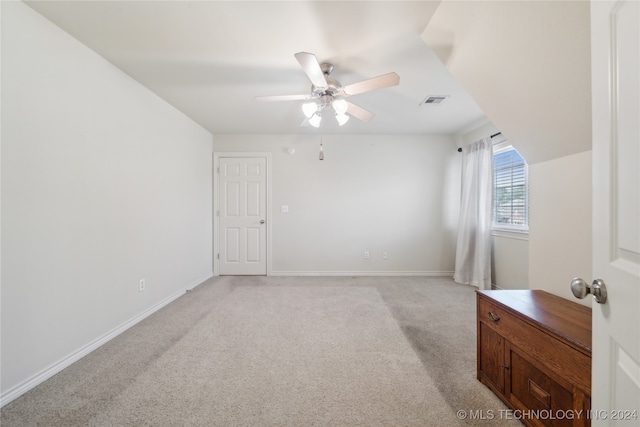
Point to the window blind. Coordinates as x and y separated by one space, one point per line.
510 199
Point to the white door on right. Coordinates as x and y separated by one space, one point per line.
615 76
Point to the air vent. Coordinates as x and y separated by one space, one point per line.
434 100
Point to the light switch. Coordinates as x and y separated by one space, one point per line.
285 208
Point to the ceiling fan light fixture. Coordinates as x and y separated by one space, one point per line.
342 119
315 120
309 109
340 106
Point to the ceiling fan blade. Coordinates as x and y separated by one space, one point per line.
385 80
283 98
359 112
311 67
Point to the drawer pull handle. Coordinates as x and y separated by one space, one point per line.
493 316
539 393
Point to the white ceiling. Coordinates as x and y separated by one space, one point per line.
210 59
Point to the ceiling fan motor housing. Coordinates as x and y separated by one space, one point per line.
333 88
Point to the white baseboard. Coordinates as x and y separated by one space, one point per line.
19 389
363 273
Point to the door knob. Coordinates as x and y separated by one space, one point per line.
581 289
262 221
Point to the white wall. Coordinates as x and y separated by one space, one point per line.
509 250
475 133
373 193
510 259
103 184
560 224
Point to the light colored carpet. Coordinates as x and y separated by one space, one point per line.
288 356
280 352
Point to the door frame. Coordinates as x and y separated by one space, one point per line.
217 155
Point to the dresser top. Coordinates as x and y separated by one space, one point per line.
566 319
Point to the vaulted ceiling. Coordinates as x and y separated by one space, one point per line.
210 59
528 66
523 65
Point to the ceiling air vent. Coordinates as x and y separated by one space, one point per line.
434 100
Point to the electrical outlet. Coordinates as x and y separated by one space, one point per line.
385 255
366 254
142 285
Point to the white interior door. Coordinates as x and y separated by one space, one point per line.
615 56
242 237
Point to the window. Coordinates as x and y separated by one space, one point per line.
510 189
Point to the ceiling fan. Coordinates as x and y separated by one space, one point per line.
328 94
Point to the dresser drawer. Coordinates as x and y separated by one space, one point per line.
495 316
533 389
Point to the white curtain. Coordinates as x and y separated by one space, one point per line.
473 248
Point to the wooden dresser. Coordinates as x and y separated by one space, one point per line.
534 352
